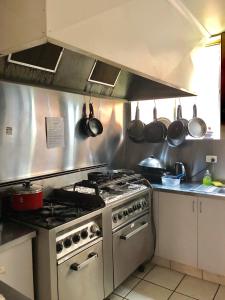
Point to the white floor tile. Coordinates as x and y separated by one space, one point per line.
164 277
126 286
148 291
197 288
221 293
177 296
148 267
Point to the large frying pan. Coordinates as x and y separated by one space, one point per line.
90 127
136 127
94 125
156 131
196 126
177 130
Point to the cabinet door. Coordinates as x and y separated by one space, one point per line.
178 228
211 236
16 268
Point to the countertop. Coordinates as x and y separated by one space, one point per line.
186 189
12 234
10 293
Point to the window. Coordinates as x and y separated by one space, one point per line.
206 82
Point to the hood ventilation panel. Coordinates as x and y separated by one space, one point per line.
105 74
44 57
52 66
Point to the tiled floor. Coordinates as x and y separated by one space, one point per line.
158 283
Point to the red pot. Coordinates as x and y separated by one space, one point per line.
27 197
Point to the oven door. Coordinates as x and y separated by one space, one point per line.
81 277
131 247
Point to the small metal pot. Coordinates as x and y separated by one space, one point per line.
27 197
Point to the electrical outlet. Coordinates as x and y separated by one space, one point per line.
211 159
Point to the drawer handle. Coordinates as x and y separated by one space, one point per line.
77 267
132 233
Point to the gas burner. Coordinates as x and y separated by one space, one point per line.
51 215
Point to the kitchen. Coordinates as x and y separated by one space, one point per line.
44 113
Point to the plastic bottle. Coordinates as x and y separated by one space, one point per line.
207 179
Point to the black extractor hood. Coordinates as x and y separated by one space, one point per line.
52 66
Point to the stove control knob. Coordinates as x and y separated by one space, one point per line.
115 219
67 242
120 216
134 207
84 234
59 247
144 203
139 205
76 238
95 229
130 210
125 213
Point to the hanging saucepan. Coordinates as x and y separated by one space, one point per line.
156 131
94 126
136 127
196 126
165 121
177 130
82 125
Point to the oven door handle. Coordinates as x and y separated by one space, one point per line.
77 267
132 233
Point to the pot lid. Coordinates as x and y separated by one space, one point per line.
151 162
27 188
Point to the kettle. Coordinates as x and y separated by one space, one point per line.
180 169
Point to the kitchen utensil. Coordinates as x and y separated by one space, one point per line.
196 127
136 127
27 197
84 121
165 121
170 181
152 169
179 169
177 130
94 126
156 131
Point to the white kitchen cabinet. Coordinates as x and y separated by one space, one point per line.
177 228
16 268
211 235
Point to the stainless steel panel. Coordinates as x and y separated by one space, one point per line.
81 277
132 245
23 150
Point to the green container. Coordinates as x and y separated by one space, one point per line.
207 179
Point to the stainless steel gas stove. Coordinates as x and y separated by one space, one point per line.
83 225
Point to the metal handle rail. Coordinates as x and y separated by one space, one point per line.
77 267
129 235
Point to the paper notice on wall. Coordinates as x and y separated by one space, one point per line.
55 132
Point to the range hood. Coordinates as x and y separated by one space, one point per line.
52 66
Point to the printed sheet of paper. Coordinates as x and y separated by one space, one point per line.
55 132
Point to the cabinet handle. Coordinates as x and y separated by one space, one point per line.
193 205
200 209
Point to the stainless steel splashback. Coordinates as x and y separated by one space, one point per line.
23 149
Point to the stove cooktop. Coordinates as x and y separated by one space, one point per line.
50 215
75 201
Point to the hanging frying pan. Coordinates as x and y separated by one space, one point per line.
136 127
156 131
94 126
177 130
165 121
196 126
83 122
